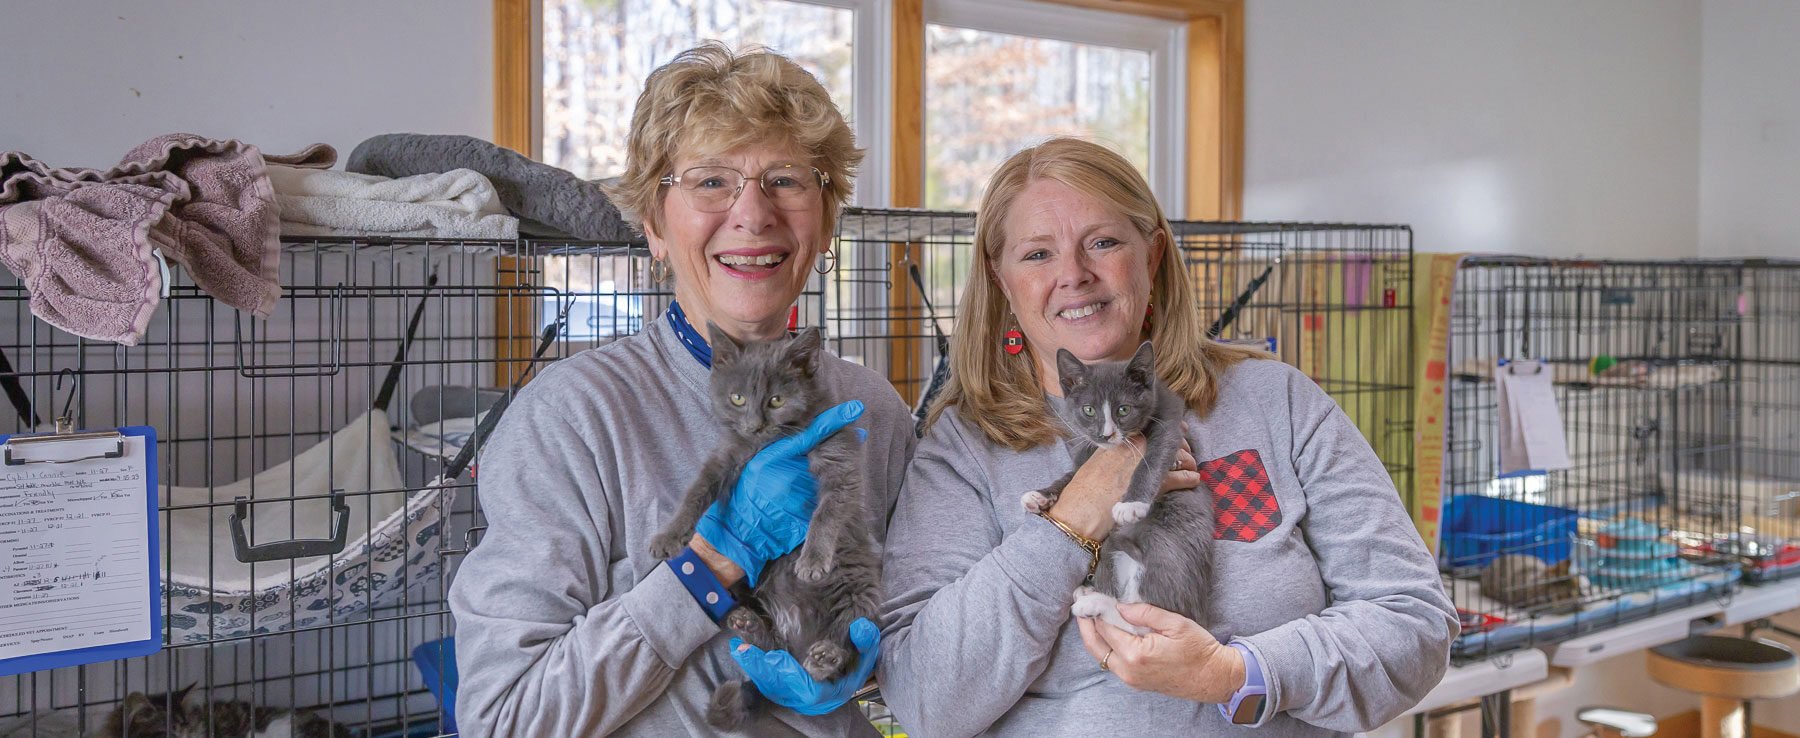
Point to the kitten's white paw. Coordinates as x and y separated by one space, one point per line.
1126 513
1092 604
1035 502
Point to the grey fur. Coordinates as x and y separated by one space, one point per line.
806 600
1171 544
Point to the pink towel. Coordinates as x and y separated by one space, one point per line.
81 239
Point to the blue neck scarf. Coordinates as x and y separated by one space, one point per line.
695 343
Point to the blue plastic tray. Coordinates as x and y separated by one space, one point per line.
1478 528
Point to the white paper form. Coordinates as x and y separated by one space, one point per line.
74 554
1531 426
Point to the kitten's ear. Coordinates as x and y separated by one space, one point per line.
135 704
725 349
1143 364
179 699
803 350
1070 372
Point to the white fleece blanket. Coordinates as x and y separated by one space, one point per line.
456 204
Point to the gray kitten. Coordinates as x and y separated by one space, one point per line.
1160 551
806 600
179 714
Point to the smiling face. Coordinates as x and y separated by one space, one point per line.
1076 274
741 268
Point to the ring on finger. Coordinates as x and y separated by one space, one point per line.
1108 657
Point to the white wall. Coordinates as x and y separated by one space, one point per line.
86 81
1750 129
1545 128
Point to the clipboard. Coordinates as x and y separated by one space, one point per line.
25 457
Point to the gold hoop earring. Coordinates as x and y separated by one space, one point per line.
830 259
659 271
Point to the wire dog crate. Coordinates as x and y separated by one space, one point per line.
352 416
331 424
1334 301
1769 542
1642 362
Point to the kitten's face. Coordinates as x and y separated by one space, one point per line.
1108 401
759 387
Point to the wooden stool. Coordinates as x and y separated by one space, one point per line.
1726 673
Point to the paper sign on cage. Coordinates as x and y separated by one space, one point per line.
1531 428
78 542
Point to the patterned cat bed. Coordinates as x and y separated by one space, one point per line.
391 542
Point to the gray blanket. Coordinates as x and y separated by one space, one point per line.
537 193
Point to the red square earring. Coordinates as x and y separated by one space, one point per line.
1149 312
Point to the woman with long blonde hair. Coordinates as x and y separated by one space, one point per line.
1326 614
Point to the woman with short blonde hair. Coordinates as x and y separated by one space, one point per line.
567 623
1325 613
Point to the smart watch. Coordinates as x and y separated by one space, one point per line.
1246 705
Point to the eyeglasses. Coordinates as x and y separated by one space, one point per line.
715 189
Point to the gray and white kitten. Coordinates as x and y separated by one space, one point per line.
805 601
1160 550
181 714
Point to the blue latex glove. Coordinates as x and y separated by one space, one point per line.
784 681
772 504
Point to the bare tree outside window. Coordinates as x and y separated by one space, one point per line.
990 94
596 54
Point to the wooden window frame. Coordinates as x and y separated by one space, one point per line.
1215 94
1215 120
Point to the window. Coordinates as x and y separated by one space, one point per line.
990 94
1001 75
1102 57
595 55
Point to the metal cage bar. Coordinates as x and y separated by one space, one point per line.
1642 358
240 403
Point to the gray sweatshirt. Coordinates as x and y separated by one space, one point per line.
1334 592
566 626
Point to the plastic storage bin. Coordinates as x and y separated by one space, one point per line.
1478 528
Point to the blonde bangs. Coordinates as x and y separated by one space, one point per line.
710 101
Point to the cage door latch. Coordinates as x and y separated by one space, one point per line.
298 548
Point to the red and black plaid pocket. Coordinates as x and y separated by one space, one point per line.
1244 505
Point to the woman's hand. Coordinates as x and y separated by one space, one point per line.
1177 657
1086 503
772 505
